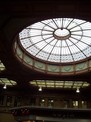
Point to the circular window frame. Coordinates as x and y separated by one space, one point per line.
63 57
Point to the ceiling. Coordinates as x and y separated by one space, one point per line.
15 15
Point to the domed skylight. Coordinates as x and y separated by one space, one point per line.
59 40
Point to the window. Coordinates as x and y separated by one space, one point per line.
75 104
42 102
84 104
50 102
9 101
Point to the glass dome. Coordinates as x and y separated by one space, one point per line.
59 40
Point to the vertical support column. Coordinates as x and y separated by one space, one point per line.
89 104
13 100
46 102
5 100
37 101
70 103
79 104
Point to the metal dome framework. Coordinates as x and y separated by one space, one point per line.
58 40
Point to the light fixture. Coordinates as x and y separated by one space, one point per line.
77 90
59 84
7 82
5 87
40 89
51 101
43 100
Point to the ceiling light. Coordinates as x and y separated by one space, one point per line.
59 84
40 89
5 87
77 90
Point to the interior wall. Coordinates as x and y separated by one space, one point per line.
6 117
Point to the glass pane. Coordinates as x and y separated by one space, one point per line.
59 84
58 38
